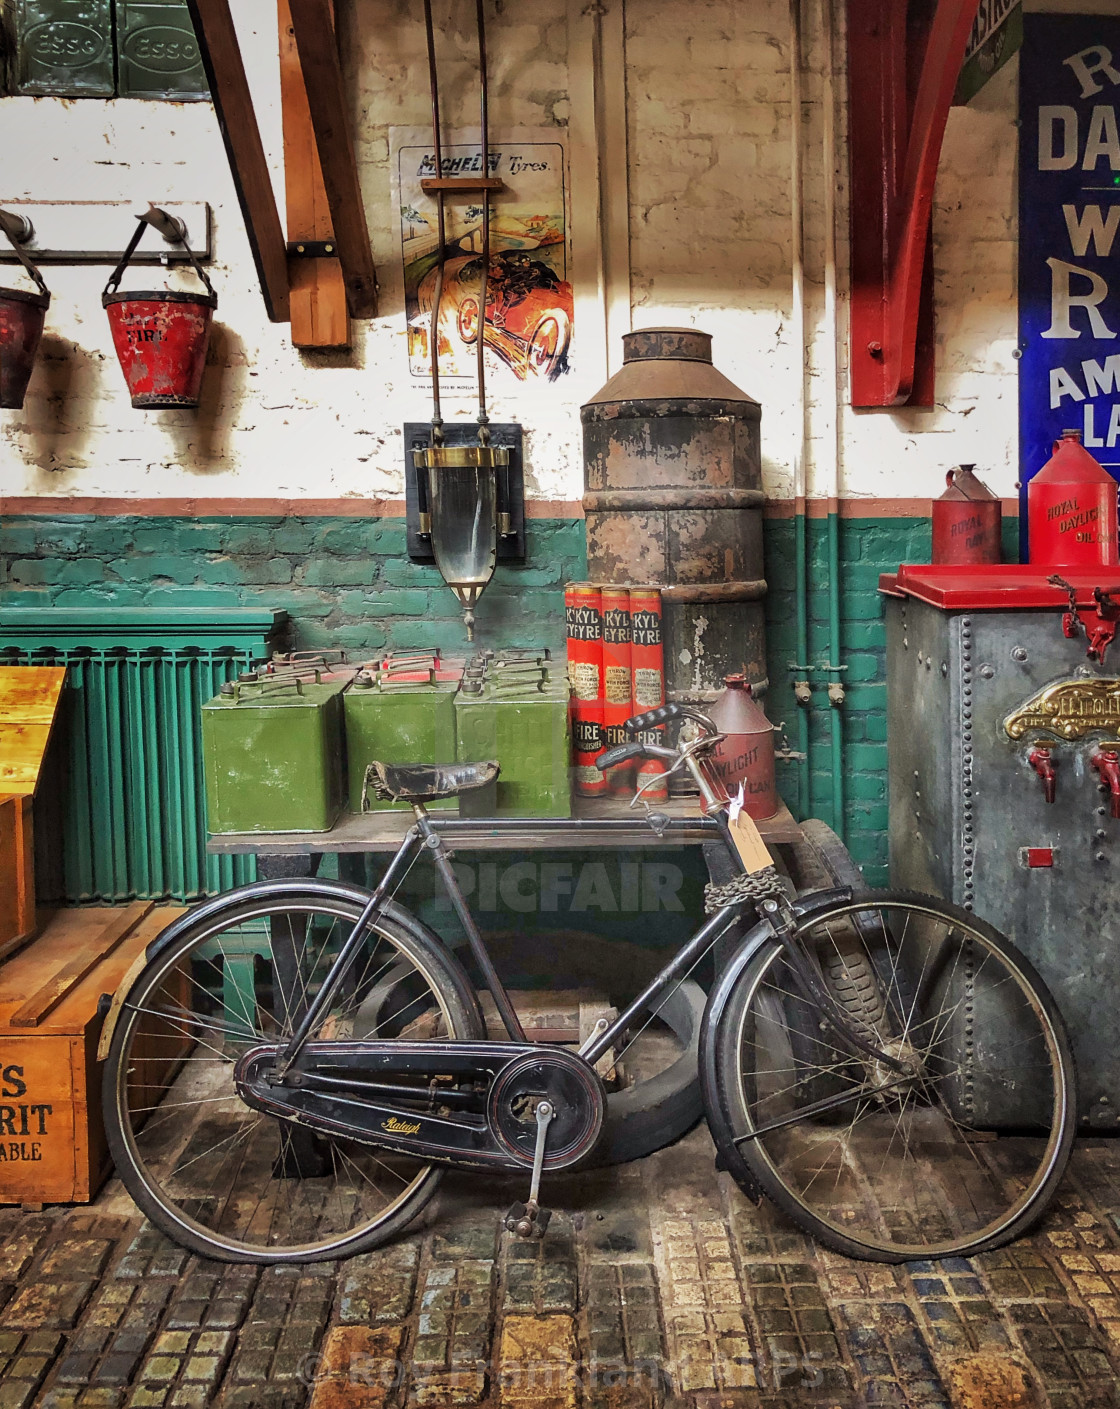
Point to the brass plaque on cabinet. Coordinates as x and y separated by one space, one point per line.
1071 709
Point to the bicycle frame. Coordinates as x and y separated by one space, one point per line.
425 835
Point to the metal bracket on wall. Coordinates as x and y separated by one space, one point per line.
904 58
511 484
312 249
95 232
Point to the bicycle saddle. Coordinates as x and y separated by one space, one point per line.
423 782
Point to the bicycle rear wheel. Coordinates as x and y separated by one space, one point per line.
957 1155
226 1181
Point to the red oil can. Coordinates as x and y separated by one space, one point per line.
648 656
618 690
966 520
746 755
1071 508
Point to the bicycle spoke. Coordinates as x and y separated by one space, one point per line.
901 1167
245 1181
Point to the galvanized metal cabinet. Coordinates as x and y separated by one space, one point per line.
969 818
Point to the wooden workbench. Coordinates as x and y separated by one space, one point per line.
595 822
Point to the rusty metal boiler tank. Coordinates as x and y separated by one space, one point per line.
673 498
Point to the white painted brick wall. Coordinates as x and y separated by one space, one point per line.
709 143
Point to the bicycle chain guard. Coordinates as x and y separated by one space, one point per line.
471 1103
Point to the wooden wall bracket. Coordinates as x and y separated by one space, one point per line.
319 315
233 104
462 185
903 65
313 28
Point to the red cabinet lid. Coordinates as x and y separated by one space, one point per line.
995 586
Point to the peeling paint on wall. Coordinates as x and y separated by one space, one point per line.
709 150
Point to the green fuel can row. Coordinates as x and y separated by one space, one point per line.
398 716
519 717
273 756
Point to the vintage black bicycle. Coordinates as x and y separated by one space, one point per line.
884 1066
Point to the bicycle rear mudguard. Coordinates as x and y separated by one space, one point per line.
268 890
727 1151
353 1089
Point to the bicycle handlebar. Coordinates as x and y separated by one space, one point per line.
665 714
623 753
656 719
653 718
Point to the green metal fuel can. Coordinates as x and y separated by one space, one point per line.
273 755
518 715
403 714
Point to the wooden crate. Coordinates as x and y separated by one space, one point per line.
17 874
28 702
52 1139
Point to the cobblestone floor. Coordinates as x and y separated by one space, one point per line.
659 1287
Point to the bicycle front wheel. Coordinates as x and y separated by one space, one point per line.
958 1152
228 1182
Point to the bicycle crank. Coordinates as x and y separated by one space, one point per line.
529 1220
464 1103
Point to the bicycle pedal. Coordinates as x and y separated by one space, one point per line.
527 1220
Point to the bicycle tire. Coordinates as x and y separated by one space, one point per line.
753 1165
405 936
661 1109
821 844
822 861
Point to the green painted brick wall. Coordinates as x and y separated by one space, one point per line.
343 582
868 547
348 582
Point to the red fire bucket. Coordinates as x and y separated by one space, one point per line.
161 341
22 313
161 337
21 326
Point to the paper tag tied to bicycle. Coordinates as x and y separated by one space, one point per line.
746 836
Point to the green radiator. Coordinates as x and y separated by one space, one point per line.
123 813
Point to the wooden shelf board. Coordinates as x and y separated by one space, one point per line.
620 825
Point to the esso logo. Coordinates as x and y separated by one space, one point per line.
65 45
162 49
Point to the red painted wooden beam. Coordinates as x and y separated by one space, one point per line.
894 150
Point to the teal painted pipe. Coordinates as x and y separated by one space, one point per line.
801 567
836 712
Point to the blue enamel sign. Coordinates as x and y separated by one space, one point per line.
1069 240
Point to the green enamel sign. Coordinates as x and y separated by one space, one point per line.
997 33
